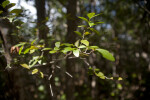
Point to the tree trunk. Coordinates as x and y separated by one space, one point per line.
70 38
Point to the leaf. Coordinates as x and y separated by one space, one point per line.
53 51
78 33
91 15
82 26
77 43
87 33
56 48
93 30
66 44
93 47
20 44
120 78
33 41
1 11
5 3
100 75
32 51
57 44
41 74
91 24
16 11
46 49
35 61
33 47
11 5
82 46
20 49
34 71
84 19
67 49
26 51
106 54
76 52
25 66
97 15
85 42
96 23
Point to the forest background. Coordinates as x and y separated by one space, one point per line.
125 32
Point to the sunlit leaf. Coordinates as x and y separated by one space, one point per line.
120 78
76 52
87 33
20 44
34 71
57 44
82 46
25 66
91 24
90 15
85 42
33 41
41 74
82 26
20 50
32 51
106 54
53 51
26 51
77 43
100 75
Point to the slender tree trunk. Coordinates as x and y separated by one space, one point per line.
71 37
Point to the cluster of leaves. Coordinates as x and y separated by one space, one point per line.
80 49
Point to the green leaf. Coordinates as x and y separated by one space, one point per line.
33 41
25 66
32 51
34 71
26 51
1 11
16 11
97 15
120 78
93 47
5 3
82 26
20 44
46 49
91 15
84 19
67 49
82 46
53 51
87 33
41 74
91 24
66 44
106 54
76 52
93 30
20 49
35 61
85 42
57 44
78 33
77 43
100 75
56 48
96 23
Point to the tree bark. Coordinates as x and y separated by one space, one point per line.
70 38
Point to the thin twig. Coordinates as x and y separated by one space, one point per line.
51 89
